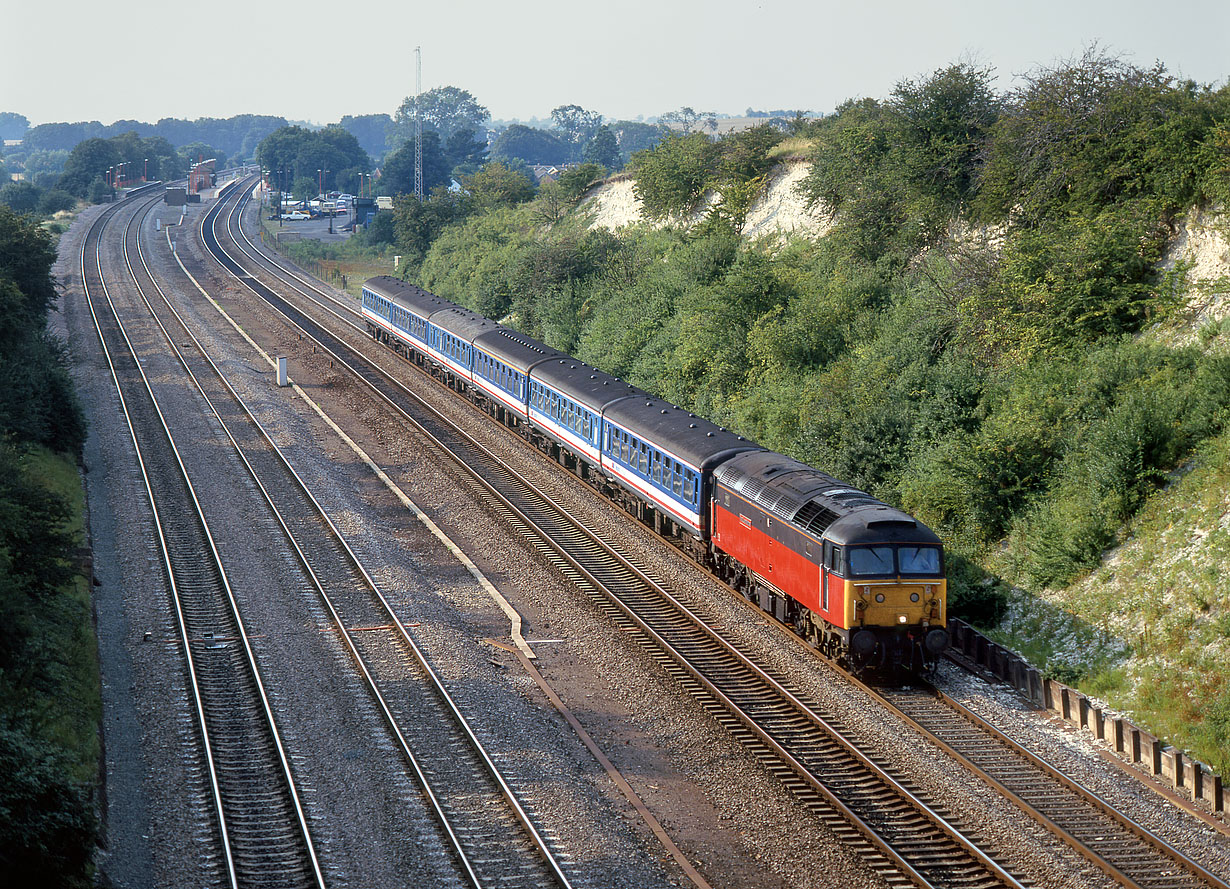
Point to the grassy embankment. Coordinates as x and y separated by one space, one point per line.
1149 629
74 710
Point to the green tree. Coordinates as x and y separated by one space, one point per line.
397 174
418 224
671 177
495 185
53 201
574 181
444 109
465 151
88 161
602 149
371 130
576 125
688 119
1095 131
531 145
13 125
21 197
946 121
634 136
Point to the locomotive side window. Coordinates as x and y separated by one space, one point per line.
919 559
871 560
832 558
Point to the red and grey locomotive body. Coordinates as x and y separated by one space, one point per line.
849 572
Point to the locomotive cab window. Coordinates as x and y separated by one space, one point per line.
919 559
832 559
871 560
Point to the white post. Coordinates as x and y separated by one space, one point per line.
282 372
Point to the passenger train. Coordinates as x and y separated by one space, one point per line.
860 580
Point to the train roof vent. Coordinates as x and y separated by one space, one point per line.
779 501
852 501
750 487
815 516
900 520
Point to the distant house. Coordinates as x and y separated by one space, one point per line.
546 172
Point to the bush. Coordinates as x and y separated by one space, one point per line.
1128 442
20 197
671 177
48 832
54 201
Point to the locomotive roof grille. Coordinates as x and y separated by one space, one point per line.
815 516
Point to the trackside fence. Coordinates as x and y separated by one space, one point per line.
1132 744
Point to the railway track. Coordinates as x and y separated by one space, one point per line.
261 831
1115 843
903 837
494 840
1121 848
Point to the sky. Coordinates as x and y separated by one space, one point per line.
316 61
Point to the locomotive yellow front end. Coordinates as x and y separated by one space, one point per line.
895 595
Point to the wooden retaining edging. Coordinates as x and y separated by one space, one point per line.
1173 767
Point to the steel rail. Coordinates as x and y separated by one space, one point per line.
202 719
536 839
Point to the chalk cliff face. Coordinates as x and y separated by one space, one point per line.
778 210
1202 245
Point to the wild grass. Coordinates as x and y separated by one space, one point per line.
72 718
1159 605
795 146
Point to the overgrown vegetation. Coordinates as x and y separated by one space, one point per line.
49 706
967 341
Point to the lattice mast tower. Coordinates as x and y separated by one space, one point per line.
418 123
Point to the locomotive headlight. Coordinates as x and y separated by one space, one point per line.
913 597
879 597
903 619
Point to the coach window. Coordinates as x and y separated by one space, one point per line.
657 469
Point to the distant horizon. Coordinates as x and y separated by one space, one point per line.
311 64
720 115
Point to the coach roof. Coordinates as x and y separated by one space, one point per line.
461 323
687 436
585 385
416 299
515 349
